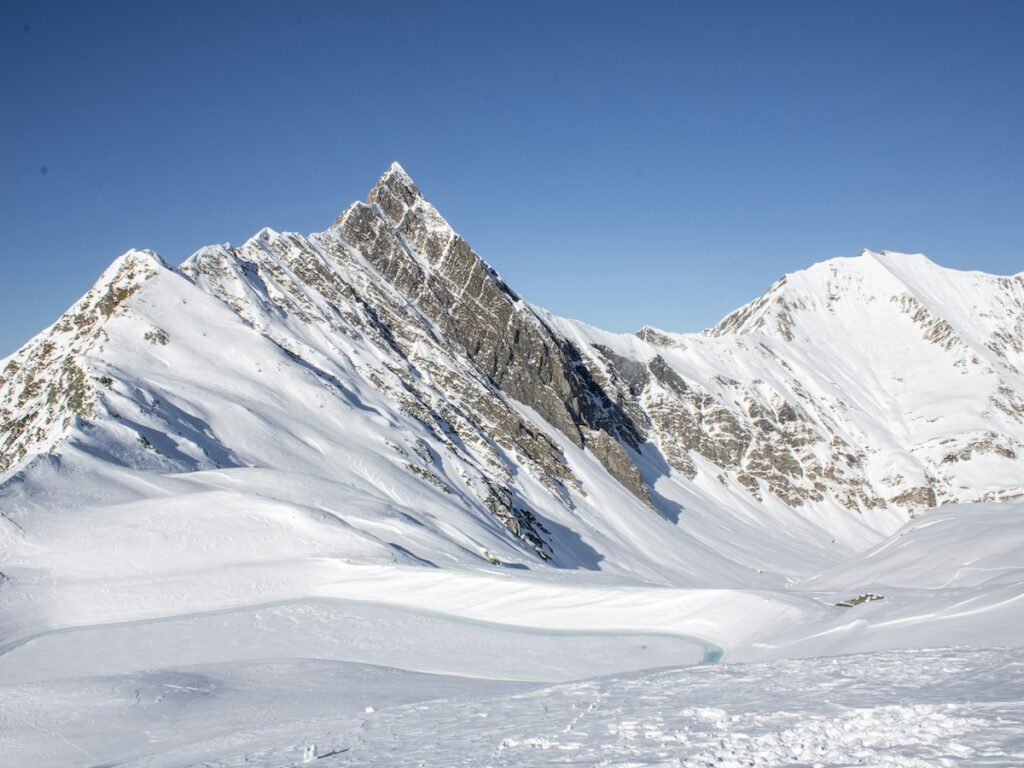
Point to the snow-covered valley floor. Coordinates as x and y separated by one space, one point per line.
405 666
193 663
157 633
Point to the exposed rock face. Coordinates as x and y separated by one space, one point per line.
768 444
915 499
610 452
452 337
413 247
914 328
45 386
418 368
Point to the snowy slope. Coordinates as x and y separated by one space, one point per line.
883 380
361 447
296 356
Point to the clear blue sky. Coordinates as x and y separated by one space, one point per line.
621 163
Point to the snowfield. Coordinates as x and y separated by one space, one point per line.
406 665
920 709
347 500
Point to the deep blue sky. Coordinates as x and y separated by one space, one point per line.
622 163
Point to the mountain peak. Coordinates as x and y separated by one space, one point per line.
137 257
396 168
394 186
128 271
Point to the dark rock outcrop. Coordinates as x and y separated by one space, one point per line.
414 249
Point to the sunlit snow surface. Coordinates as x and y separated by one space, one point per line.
223 618
948 707
399 665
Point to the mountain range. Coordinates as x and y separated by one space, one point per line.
844 400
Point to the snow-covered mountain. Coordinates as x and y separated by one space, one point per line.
877 381
852 394
371 413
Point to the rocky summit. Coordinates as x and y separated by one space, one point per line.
848 398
